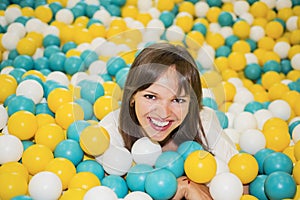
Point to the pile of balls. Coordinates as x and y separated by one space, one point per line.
63 67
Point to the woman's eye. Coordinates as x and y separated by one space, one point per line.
149 96
179 100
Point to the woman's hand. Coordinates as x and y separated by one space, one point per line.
190 190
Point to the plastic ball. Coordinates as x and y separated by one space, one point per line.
104 105
94 140
73 193
69 149
68 113
237 61
112 89
45 185
172 161
226 183
280 108
26 46
225 19
11 149
257 187
91 90
91 166
73 64
36 157
241 29
12 185
63 168
244 121
187 147
84 180
10 41
272 65
296 172
136 195
276 91
253 107
9 86
200 166
116 160
269 78
136 177
296 151
31 89
251 141
117 184
167 18
75 129
280 185
161 184
58 97
174 33
22 124
57 61
24 61
100 191
145 151
59 77
282 48
20 103
295 61
49 135
3 117
277 161
42 108
277 138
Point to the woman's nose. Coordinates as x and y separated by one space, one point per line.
164 109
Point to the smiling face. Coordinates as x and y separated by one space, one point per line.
159 108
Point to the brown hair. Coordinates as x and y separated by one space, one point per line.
147 67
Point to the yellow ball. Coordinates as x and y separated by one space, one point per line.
97 30
36 73
44 119
277 139
270 78
271 15
129 11
194 40
237 61
165 5
275 122
241 29
73 52
221 63
83 20
257 88
270 55
229 73
67 113
187 6
58 97
26 46
213 14
94 140
248 197
12 185
228 7
8 86
274 29
295 37
261 96
144 18
296 172
244 166
63 168
27 11
49 135
104 105
276 90
297 151
15 168
260 21
36 157
82 35
230 90
289 151
44 13
73 194
22 124
293 51
266 43
241 46
259 9
292 97
67 33
184 21
212 78
215 40
84 180
200 166
285 13
111 88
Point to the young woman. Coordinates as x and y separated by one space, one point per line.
162 100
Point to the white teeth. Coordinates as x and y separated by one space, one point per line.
159 123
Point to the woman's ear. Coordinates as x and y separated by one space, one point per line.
131 102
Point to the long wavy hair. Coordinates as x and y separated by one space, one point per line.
148 66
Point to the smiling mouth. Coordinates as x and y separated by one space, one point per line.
159 125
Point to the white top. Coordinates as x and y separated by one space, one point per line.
218 142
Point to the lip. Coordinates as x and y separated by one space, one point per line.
159 128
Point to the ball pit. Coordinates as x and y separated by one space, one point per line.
63 66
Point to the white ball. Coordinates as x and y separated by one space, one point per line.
93 2
240 7
17 28
201 9
102 192
270 3
77 77
84 46
151 36
137 195
35 25
226 186
280 108
64 15
97 67
286 81
45 185
7 70
156 25
251 58
205 56
3 21
280 4
73 3
243 96
247 17
174 34
31 89
11 149
145 151
107 49
282 48
230 117
233 134
295 61
12 13
244 121
296 134
51 30
214 27
3 117
154 12
103 15
226 31
10 41
237 82
236 108
293 120
252 140
261 117
116 160
59 77
291 23
144 5
256 33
